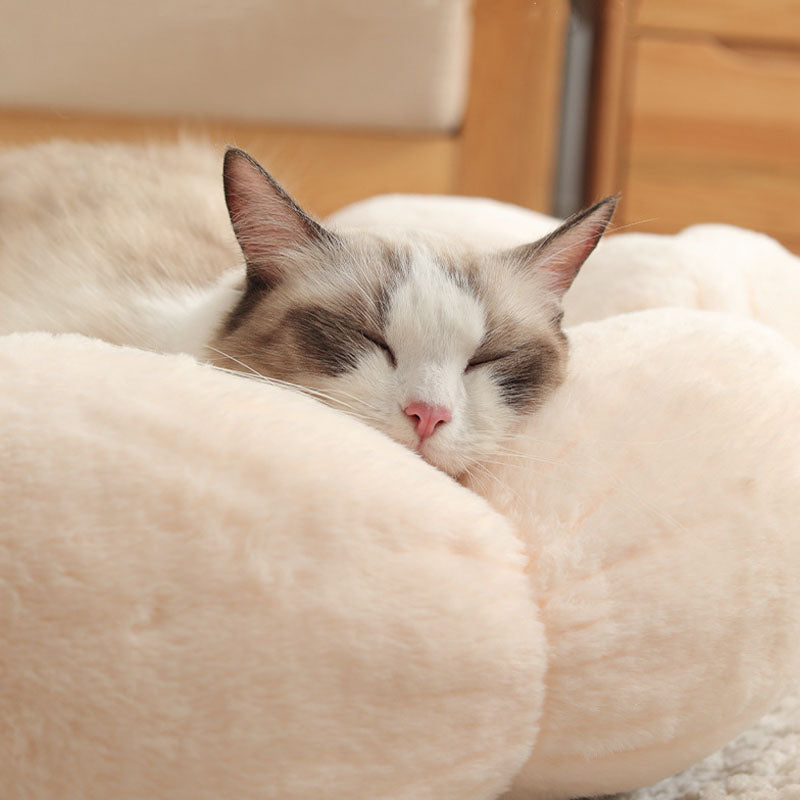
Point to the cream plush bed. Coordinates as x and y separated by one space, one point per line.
213 588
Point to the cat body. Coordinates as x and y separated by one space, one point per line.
121 243
440 345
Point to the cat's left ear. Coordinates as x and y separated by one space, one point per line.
561 254
266 221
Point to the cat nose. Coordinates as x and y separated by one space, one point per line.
428 417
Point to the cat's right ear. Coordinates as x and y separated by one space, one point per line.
266 221
560 254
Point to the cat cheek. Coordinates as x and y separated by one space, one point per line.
529 375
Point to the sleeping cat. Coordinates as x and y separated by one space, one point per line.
441 347
442 350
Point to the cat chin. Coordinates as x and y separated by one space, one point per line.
445 459
452 470
453 452
447 456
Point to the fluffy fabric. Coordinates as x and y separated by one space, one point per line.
760 764
215 589
212 588
715 267
196 607
657 494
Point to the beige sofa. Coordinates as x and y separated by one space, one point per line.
341 100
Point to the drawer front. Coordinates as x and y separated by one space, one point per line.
746 20
715 137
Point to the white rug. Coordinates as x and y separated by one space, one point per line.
763 763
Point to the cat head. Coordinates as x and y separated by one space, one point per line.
440 347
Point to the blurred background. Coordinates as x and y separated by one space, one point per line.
689 110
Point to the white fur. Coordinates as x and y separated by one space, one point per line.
118 242
434 328
186 321
134 246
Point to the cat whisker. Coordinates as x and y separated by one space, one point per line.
256 376
323 395
504 451
554 257
617 228
278 381
237 361
326 397
357 400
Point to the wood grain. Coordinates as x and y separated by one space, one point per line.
743 20
510 133
704 79
715 136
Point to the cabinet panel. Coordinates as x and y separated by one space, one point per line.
715 136
746 20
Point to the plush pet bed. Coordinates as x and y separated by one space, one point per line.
213 588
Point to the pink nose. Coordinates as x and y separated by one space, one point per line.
428 417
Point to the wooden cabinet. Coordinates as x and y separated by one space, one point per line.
697 114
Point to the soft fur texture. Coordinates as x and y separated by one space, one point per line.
657 493
763 763
213 588
77 216
225 619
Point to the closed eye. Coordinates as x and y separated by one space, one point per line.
378 342
480 360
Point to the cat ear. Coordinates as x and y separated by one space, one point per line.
561 254
266 221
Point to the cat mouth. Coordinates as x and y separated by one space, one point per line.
439 457
445 456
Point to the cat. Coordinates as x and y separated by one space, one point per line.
124 243
439 346
441 349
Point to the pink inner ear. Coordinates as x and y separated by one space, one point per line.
266 221
565 258
563 252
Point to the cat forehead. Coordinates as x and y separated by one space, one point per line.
404 284
431 298
402 278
